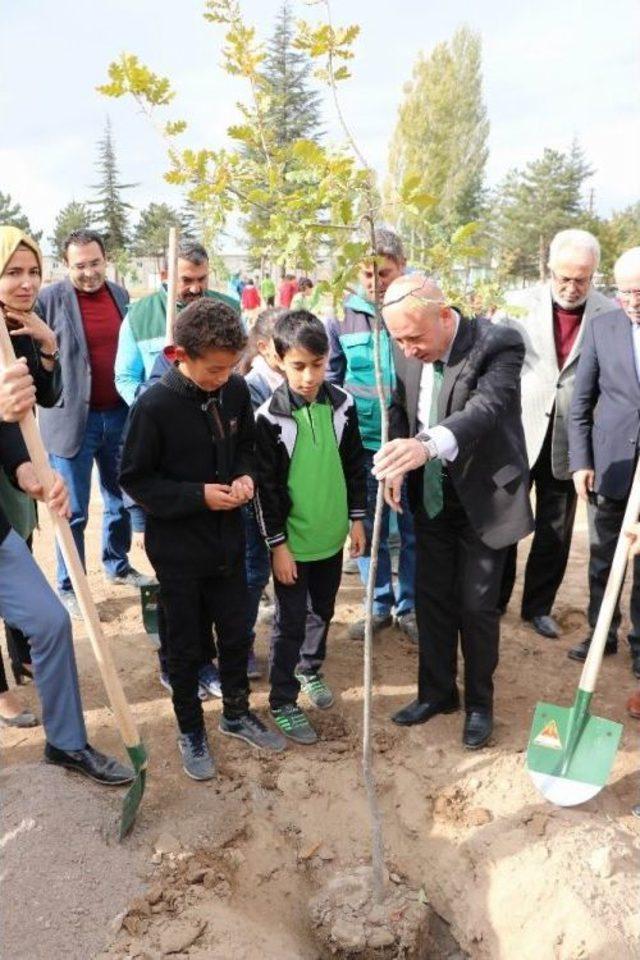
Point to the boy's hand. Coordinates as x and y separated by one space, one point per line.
358 539
284 566
242 488
218 496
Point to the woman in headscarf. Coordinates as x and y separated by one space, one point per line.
26 599
20 280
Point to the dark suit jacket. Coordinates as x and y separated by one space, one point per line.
480 403
604 419
63 426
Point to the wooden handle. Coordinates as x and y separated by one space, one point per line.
99 643
172 282
612 591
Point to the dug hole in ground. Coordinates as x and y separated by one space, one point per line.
232 869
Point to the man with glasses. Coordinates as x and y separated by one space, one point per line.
604 440
552 319
86 311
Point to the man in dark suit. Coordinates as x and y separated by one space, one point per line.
604 438
457 410
86 424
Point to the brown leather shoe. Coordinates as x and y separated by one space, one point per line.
633 705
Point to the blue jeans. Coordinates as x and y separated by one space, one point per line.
101 443
258 567
385 597
28 603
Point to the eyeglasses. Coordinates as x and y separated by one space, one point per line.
580 282
629 294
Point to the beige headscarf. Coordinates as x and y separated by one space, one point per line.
19 509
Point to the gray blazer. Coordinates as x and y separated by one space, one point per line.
544 385
480 403
604 423
63 426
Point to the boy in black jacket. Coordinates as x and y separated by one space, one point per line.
188 461
311 483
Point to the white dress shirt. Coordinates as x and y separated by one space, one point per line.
444 440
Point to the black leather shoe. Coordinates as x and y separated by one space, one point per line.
546 626
478 727
582 649
91 763
416 712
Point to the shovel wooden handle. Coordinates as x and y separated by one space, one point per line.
612 591
99 643
172 282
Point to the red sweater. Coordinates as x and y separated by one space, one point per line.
566 324
101 321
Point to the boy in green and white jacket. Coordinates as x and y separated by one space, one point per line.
311 485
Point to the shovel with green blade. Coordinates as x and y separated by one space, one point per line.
571 752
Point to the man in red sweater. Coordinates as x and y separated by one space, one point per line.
552 318
86 311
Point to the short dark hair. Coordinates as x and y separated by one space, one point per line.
208 324
299 328
81 238
193 252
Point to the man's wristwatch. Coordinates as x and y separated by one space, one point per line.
430 445
55 356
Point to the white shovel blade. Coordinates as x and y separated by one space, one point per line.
562 791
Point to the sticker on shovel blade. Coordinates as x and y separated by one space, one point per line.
549 737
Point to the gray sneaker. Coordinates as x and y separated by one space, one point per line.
132 578
196 757
293 722
252 730
356 630
407 624
317 689
69 601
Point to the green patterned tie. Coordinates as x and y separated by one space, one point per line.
432 484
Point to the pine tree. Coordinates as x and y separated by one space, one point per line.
74 216
112 216
440 141
294 112
12 215
151 235
532 204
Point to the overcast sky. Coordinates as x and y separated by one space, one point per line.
552 71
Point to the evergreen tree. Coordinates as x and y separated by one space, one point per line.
12 215
440 142
533 204
293 113
617 234
151 235
74 216
294 110
112 217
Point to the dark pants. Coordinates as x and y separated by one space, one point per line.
605 520
457 592
547 561
191 608
17 644
258 567
316 587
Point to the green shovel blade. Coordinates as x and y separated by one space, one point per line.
570 753
133 796
149 600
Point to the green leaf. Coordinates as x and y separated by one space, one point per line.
173 127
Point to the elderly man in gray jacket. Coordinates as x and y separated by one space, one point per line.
552 318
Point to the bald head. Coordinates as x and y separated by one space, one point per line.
418 317
627 274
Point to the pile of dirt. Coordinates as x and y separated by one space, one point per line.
227 869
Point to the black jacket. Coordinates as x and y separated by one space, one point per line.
178 438
275 441
13 452
480 403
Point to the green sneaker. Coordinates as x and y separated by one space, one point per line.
292 721
317 689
